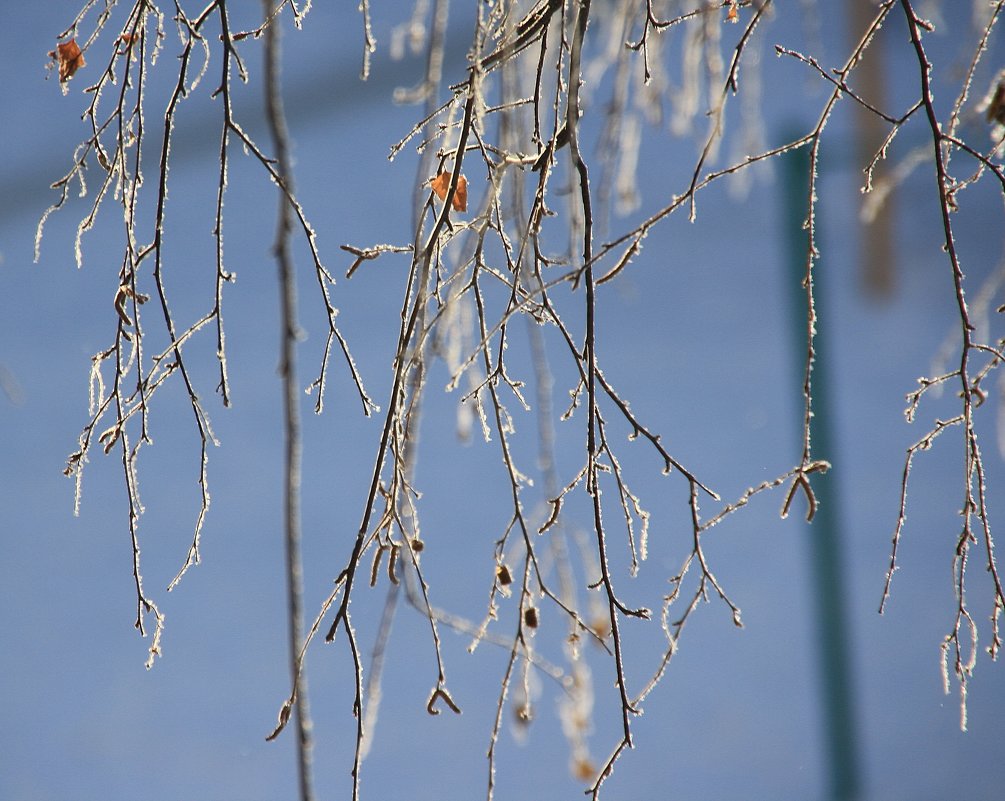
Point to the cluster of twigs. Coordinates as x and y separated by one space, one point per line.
960 644
478 266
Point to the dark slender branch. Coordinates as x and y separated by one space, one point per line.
289 331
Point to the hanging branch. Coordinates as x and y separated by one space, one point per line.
289 331
963 655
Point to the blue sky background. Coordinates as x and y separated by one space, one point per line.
696 333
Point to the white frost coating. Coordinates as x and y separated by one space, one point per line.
159 38
644 534
482 417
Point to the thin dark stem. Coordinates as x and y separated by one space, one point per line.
288 373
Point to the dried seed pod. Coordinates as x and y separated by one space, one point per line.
530 617
376 565
391 562
583 769
503 574
994 104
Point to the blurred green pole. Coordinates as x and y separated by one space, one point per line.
837 712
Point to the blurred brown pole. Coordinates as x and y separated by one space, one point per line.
877 261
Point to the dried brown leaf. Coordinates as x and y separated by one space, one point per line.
441 185
69 58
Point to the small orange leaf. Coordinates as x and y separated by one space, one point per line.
461 195
441 183
69 57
